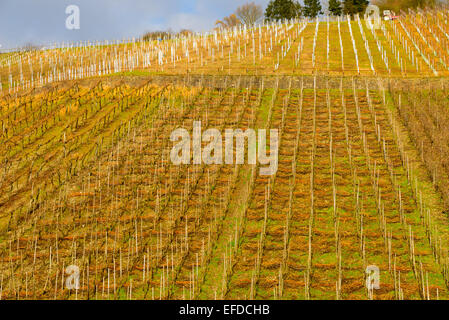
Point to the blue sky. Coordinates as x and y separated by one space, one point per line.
43 21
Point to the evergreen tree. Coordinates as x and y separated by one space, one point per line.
335 7
312 8
282 9
352 7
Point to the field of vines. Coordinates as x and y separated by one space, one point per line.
87 181
88 185
425 111
414 45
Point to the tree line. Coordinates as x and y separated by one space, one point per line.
252 13
276 10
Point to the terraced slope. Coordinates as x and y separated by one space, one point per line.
87 181
415 45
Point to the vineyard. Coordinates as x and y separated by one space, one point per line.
86 178
412 46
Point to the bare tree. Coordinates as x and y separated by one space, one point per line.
249 13
157 35
228 22
185 32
